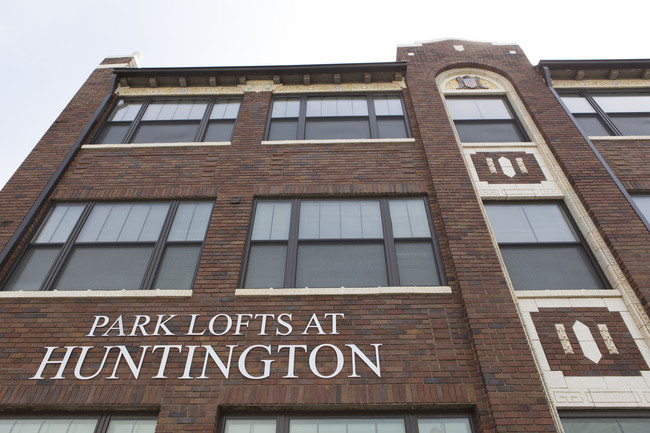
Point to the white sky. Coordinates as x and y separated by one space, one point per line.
48 48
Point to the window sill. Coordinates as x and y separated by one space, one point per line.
619 137
604 293
139 145
98 294
343 291
499 144
339 141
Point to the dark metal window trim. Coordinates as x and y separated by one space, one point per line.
581 242
514 118
388 241
600 114
67 248
410 418
103 419
372 117
137 121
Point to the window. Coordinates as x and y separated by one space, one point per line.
484 119
354 424
113 246
97 424
170 120
606 423
541 247
337 117
643 203
610 113
335 243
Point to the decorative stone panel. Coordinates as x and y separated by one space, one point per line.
507 167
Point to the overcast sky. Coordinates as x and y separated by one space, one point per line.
48 48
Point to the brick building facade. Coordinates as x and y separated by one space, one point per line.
452 242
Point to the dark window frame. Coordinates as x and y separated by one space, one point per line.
580 242
103 419
388 241
67 248
372 116
203 123
283 418
515 121
600 114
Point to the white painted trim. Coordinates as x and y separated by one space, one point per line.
99 294
537 294
343 291
339 141
619 137
141 145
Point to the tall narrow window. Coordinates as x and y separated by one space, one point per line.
334 243
541 248
484 119
112 246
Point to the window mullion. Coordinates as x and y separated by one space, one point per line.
601 114
203 126
372 117
302 118
66 249
292 245
102 424
389 244
282 424
159 248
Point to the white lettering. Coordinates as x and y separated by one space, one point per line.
82 358
373 366
191 330
267 363
211 325
292 357
163 362
124 353
160 324
339 361
285 324
240 323
97 325
116 325
225 369
137 325
46 360
334 316
263 326
313 323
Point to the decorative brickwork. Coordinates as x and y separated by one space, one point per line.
524 166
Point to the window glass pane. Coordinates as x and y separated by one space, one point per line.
509 223
632 124
286 107
544 222
336 265
624 103
283 129
552 267
337 106
492 132
340 220
444 425
219 131
59 224
416 264
390 426
105 268
124 223
190 109
409 218
190 222
156 132
177 267
577 104
33 268
392 128
250 426
112 133
592 125
478 108
594 425
643 203
225 109
388 106
125 111
266 264
132 426
48 425
323 129
271 221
